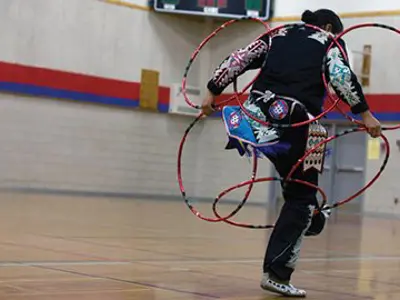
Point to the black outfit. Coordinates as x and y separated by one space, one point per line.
296 215
291 66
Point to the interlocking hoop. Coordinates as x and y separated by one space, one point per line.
201 46
250 183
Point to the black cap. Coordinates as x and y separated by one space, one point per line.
323 17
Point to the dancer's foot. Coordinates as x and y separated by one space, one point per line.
285 289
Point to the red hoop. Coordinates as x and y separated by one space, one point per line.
182 188
197 51
251 183
336 136
336 41
253 179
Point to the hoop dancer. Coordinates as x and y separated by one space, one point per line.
289 90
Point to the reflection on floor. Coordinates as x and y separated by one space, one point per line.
59 247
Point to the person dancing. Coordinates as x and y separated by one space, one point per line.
289 90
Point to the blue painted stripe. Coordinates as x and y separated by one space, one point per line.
384 117
163 108
40 91
381 116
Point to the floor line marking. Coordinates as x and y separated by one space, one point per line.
139 283
186 262
55 293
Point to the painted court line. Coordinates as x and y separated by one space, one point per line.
345 271
254 261
63 263
139 283
183 262
62 293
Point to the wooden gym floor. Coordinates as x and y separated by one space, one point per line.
65 247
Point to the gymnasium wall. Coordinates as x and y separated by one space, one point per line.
382 196
70 81
70 76
384 96
96 38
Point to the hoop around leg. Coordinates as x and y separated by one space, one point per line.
251 182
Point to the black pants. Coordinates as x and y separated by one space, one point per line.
296 215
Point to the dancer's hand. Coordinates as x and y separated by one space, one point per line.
207 105
372 124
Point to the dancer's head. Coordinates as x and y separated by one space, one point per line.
326 19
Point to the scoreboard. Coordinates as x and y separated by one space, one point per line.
232 9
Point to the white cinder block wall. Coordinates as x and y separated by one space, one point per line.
381 197
50 144
61 145
283 9
385 76
384 80
64 145
96 38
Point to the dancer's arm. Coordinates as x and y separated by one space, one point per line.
345 83
249 58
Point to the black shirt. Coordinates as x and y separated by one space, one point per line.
292 66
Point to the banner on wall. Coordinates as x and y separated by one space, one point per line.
149 85
374 149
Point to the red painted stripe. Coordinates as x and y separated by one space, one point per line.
68 81
378 102
163 95
44 77
384 102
